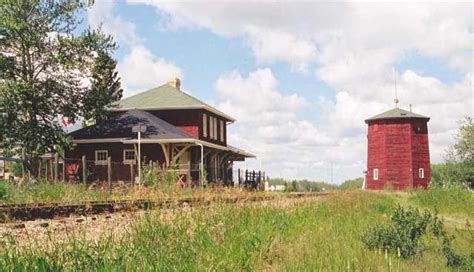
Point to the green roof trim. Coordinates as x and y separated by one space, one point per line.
396 113
165 97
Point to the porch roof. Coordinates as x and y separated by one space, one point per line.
118 129
120 126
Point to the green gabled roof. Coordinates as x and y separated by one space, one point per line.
165 97
396 113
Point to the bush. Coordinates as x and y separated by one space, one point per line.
404 236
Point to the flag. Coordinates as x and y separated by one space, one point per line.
65 122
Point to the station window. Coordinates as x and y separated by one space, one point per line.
101 157
128 156
376 174
222 131
211 127
215 128
204 125
421 173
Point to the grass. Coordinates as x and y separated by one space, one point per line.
285 235
46 192
452 200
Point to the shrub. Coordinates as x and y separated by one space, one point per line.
404 234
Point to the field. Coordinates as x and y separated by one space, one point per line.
307 234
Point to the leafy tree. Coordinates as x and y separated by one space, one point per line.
460 159
49 71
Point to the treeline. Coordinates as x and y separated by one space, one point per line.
302 185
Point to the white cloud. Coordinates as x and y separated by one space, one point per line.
288 28
352 47
268 123
102 14
141 70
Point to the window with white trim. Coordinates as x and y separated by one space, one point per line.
376 174
222 131
211 127
204 125
101 157
215 128
129 156
421 173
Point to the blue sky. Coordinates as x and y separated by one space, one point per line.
302 77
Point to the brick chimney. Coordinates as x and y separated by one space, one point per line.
174 82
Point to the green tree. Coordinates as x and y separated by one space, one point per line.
49 71
105 88
461 155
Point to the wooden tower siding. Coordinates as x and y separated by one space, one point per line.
398 148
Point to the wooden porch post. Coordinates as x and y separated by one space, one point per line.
56 167
109 173
84 178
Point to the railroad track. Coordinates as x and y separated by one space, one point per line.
33 211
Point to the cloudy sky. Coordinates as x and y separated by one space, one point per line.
301 77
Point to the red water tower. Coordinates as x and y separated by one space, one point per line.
398 153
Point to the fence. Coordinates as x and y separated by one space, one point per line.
251 179
57 169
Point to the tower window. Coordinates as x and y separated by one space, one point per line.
421 173
376 174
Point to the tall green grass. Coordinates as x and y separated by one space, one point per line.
291 235
47 192
453 199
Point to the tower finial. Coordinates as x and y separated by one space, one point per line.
396 91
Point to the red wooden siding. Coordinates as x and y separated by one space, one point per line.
120 171
191 122
420 154
186 120
397 148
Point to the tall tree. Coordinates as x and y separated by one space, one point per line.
461 154
105 87
49 71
